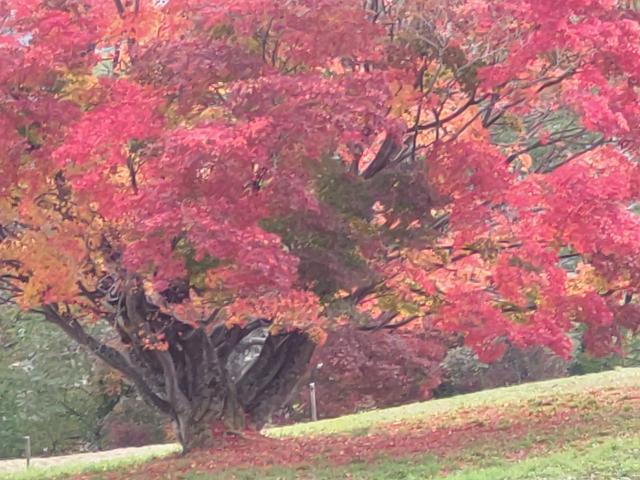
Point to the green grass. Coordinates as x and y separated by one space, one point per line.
424 468
86 466
629 377
617 458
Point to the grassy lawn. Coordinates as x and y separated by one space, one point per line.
629 377
576 428
617 458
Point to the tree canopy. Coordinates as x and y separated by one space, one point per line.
190 172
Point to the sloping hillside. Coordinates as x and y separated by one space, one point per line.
581 427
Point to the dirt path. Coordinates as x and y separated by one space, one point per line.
16 465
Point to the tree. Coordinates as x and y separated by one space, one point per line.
227 180
50 390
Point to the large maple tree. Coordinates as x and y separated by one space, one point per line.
225 181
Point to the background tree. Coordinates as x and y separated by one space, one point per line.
218 181
50 390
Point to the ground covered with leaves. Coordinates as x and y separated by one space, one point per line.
571 428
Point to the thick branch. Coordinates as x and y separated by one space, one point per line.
291 353
109 355
119 7
175 396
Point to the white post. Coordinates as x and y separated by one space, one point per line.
314 406
27 450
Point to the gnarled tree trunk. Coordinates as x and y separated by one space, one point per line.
208 375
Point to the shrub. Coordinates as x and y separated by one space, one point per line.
132 423
464 373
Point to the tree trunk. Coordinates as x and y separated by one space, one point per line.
250 400
205 382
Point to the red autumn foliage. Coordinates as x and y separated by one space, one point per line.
356 370
192 173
